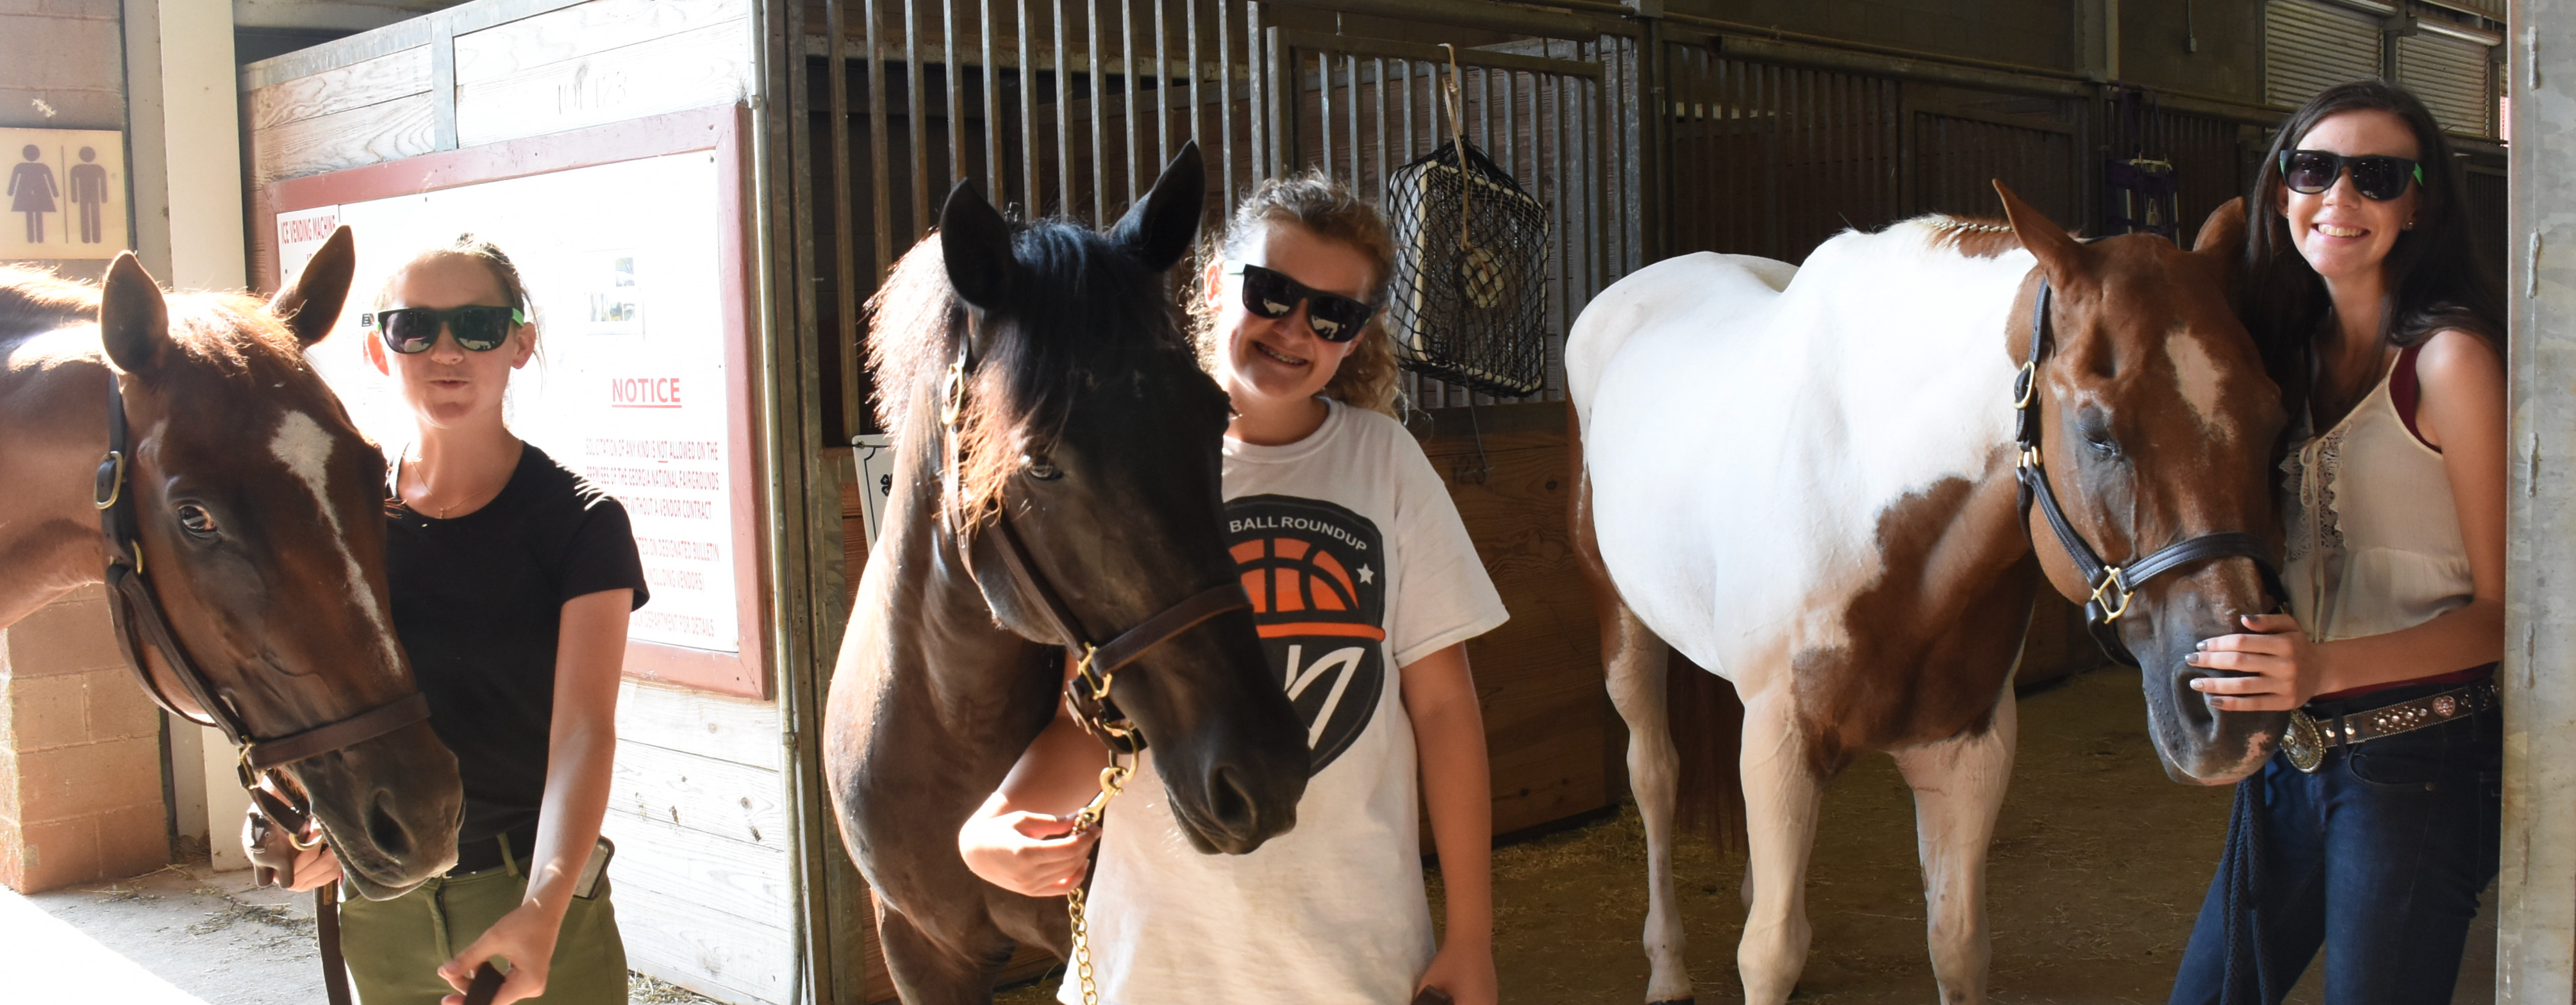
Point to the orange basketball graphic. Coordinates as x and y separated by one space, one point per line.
1317 578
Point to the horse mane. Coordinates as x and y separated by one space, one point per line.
1972 236
228 330
1083 310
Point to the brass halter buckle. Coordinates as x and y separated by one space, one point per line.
2112 579
1087 694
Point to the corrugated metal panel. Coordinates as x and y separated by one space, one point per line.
2309 46
2490 8
2450 74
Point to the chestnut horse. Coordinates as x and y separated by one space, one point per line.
1846 539
1057 485
257 516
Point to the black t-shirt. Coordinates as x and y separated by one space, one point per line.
477 601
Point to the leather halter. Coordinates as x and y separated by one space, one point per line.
141 623
1096 665
2113 586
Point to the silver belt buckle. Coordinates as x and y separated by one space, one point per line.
2304 742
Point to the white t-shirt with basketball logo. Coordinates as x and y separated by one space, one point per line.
1357 565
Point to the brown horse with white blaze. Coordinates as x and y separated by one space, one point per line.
1917 428
256 531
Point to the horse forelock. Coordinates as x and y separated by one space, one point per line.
1081 309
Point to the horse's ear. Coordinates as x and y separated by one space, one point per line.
975 242
1159 230
312 305
2059 254
2223 234
133 320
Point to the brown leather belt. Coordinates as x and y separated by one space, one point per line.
489 853
2308 737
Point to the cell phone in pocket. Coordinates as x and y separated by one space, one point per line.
594 869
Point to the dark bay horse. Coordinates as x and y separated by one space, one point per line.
1809 481
258 518
1077 421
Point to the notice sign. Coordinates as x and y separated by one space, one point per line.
629 386
65 193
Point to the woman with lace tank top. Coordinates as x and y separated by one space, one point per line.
2375 825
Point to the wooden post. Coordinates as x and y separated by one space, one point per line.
2536 936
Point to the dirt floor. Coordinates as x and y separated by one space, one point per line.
185 935
2098 869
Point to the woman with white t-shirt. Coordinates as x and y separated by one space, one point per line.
1365 589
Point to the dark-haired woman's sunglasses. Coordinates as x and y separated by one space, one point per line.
1334 317
410 330
2376 177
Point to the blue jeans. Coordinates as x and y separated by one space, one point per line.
2379 855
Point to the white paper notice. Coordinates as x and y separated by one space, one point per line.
629 385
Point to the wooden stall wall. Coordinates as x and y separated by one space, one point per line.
703 875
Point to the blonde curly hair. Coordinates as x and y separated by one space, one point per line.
1329 210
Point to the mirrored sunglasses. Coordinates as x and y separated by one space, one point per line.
1334 317
2376 177
477 328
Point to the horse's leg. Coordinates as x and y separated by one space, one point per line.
1781 791
1638 662
927 973
1635 662
1958 784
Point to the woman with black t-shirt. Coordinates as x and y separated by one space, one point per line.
512 578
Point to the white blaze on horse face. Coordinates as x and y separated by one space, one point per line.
305 448
2196 374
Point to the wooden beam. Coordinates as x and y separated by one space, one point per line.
2536 891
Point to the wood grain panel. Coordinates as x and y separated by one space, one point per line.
706 872
693 69
381 132
582 30
711 952
694 722
706 795
375 81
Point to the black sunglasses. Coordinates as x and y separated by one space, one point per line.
477 328
1334 317
2377 177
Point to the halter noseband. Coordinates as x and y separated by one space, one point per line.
141 623
1096 665
2112 586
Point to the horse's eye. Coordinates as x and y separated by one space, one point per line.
1041 469
2101 443
196 520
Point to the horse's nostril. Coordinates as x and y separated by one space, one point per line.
388 834
1229 803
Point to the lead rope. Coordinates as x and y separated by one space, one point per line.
1113 780
2240 874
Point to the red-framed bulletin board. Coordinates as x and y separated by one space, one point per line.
631 238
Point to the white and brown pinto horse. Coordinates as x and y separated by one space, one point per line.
252 546
1808 486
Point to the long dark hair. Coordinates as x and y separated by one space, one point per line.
2438 277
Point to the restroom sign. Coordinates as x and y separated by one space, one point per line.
65 193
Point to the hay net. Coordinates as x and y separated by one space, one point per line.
1469 295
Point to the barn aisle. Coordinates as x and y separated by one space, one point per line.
2099 867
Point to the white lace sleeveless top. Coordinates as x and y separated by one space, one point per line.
2374 540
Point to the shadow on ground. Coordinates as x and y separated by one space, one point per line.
2098 870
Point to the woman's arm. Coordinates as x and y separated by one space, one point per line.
2462 412
590 648
1449 734
1022 838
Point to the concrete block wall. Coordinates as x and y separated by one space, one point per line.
80 753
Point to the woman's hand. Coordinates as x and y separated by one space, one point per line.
1463 970
2283 669
526 938
1032 854
314 867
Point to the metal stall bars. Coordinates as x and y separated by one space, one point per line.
1356 108
1056 107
